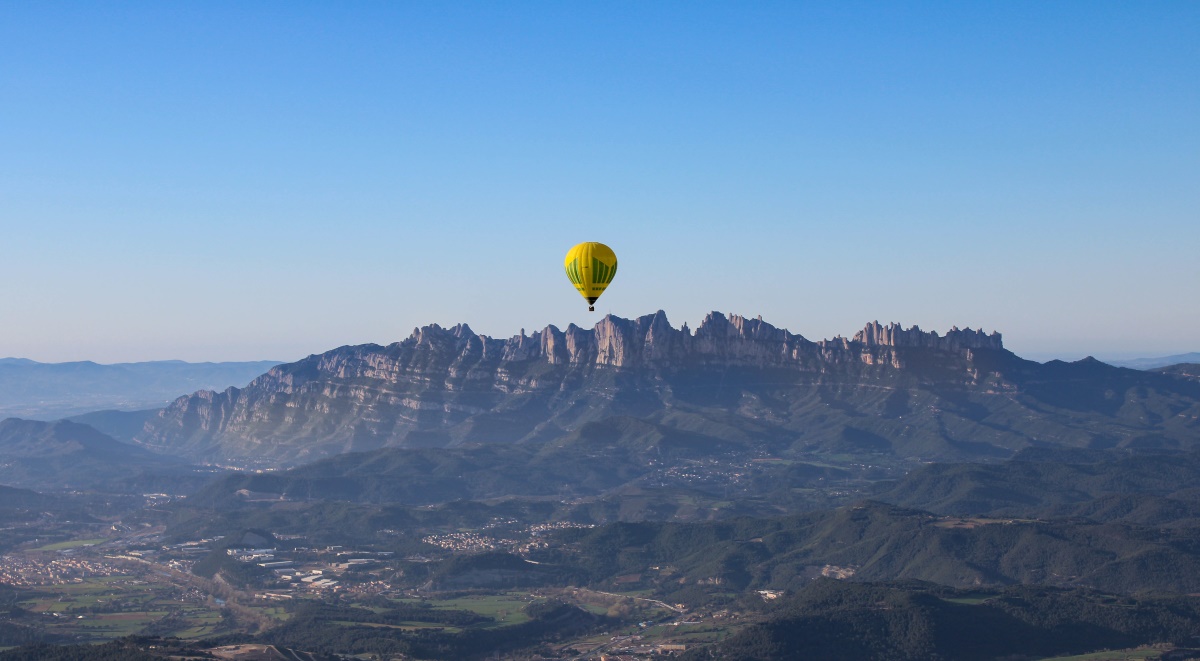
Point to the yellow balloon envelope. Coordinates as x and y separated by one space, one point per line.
590 267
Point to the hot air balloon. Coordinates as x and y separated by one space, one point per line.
590 267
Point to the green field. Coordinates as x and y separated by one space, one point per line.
403 626
105 608
71 544
203 622
1112 655
115 625
505 608
970 600
594 608
280 614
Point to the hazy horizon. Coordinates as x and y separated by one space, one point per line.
1042 356
226 182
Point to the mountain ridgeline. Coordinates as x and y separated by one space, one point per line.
906 393
46 391
51 456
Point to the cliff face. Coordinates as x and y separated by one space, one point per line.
448 386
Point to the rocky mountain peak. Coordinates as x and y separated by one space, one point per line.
360 397
894 335
619 342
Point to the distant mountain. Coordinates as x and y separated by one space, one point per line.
877 541
1143 488
58 455
1152 363
1185 370
47 391
911 621
12 498
121 425
735 383
591 460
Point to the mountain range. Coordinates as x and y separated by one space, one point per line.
949 484
735 382
1157 362
57 455
46 391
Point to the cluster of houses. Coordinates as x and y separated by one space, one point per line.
28 571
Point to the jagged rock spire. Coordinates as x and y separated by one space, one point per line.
615 341
893 335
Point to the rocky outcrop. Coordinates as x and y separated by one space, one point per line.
443 386
893 335
732 339
616 342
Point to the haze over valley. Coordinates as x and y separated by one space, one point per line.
46 391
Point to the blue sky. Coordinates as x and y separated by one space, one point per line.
224 181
